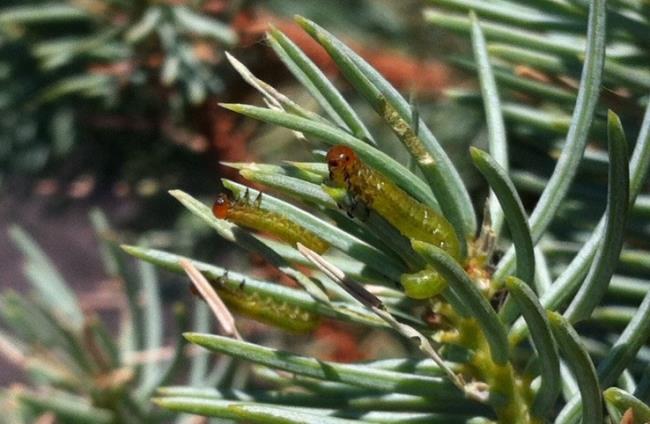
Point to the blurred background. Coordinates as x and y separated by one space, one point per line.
108 104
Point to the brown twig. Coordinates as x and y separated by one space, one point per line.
219 309
474 390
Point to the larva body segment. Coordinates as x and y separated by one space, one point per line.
424 284
248 214
269 311
412 218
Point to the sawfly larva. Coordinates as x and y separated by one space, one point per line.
412 218
269 311
250 215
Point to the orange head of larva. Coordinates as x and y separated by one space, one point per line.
339 160
221 206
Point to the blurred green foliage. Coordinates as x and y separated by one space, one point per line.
84 367
77 70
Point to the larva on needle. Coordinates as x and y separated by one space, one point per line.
269 311
412 218
250 215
